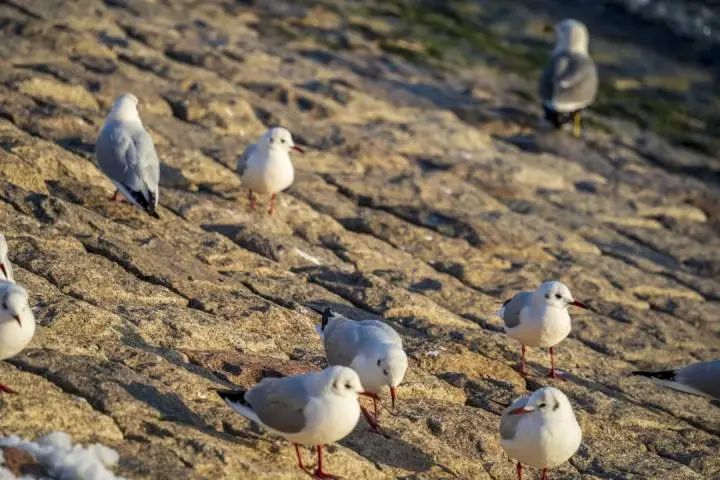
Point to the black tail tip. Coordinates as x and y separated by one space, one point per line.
235 396
153 213
326 314
663 375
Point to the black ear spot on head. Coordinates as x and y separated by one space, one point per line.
556 406
378 362
327 313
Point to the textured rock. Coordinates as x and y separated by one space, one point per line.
427 196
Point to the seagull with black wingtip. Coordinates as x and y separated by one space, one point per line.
370 347
17 323
6 272
540 318
702 378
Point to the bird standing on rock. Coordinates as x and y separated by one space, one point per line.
265 166
17 323
540 430
126 154
539 318
370 347
312 409
6 272
569 83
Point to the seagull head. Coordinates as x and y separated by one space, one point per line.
546 402
15 307
344 381
571 36
279 138
384 365
125 107
556 294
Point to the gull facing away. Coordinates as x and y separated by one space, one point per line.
311 409
371 348
126 154
701 378
265 166
6 272
569 82
540 430
539 318
17 323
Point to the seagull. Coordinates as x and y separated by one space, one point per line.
569 82
540 430
265 166
371 348
311 409
126 154
539 318
6 272
701 378
17 323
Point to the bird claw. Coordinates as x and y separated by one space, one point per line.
555 375
320 475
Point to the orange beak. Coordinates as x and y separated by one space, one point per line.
520 411
4 270
393 395
297 149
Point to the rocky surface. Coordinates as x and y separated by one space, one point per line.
430 192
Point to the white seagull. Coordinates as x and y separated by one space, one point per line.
539 318
265 166
569 83
126 154
17 323
311 409
371 348
701 378
540 430
6 272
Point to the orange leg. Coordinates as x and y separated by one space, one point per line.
251 198
519 470
319 473
545 474
6 389
522 369
271 210
117 197
553 373
299 458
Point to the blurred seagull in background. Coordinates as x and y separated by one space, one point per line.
569 82
701 378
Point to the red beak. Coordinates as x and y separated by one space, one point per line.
2 267
519 411
17 319
297 149
580 304
393 394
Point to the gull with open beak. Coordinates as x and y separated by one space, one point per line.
370 347
265 166
540 430
6 272
539 318
17 323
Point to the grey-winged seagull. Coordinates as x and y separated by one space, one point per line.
311 409
540 430
569 82
701 378
539 318
17 323
126 154
6 271
265 166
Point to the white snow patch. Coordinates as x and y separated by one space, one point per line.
63 460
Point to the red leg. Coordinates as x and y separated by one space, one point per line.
299 458
272 204
521 369
116 197
374 425
319 473
553 373
377 414
6 389
251 198
519 470
544 475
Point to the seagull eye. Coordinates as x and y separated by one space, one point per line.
5 306
282 140
557 295
542 405
348 386
385 372
547 295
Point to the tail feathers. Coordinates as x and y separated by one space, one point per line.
235 399
667 375
327 314
558 119
147 204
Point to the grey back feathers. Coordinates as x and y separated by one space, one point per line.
126 154
344 339
242 161
569 82
508 423
701 378
511 309
280 402
6 272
